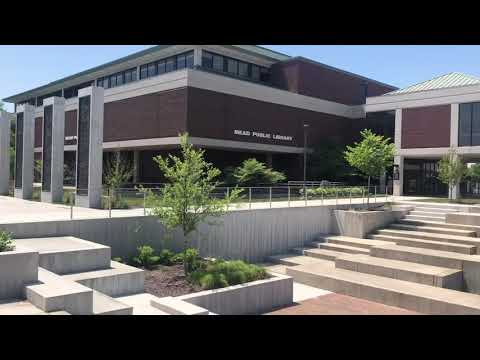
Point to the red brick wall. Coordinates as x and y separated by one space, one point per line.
426 127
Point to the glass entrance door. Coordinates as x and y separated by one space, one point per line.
421 178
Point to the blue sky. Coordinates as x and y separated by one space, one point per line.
26 67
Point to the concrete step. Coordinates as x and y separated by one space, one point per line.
294 260
105 305
403 270
439 219
347 240
435 230
427 213
405 294
428 244
440 224
343 248
67 254
323 254
118 280
141 304
429 236
52 293
434 209
440 258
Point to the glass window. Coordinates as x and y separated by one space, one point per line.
181 61
119 79
143 72
465 124
113 81
232 66
264 74
134 74
218 62
242 69
170 66
106 83
152 69
100 82
475 124
190 59
161 66
207 59
128 76
255 73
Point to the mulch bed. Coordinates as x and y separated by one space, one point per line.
168 281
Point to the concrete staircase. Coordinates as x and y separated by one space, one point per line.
420 263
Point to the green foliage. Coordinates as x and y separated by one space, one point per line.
253 172
6 243
331 191
37 170
117 172
473 173
191 260
185 201
451 170
146 257
118 259
372 155
327 162
166 257
219 273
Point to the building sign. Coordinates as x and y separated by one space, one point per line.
263 135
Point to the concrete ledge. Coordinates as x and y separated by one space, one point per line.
257 297
360 223
175 306
463 218
17 269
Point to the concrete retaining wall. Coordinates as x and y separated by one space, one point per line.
17 268
257 297
360 223
244 234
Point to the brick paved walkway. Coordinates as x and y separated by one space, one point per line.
337 304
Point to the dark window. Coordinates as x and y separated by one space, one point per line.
47 148
83 144
134 74
170 66
190 59
264 74
465 125
242 69
106 83
119 79
19 151
143 72
161 66
207 59
232 66
100 82
475 124
181 61
218 63
113 81
152 70
128 77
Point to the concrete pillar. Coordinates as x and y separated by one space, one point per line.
136 166
398 129
197 56
383 182
454 193
454 108
398 184
24 135
89 147
4 152
52 149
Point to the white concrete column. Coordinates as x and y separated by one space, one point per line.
398 129
136 166
5 119
454 193
398 184
454 108
52 149
24 136
89 147
197 56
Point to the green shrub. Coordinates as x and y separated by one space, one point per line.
177 258
166 257
146 257
6 243
220 273
191 260
118 259
332 192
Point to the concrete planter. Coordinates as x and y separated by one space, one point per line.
360 223
256 297
17 268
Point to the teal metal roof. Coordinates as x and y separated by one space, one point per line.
56 85
454 79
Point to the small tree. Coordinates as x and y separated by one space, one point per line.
117 173
253 172
371 156
451 171
185 200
